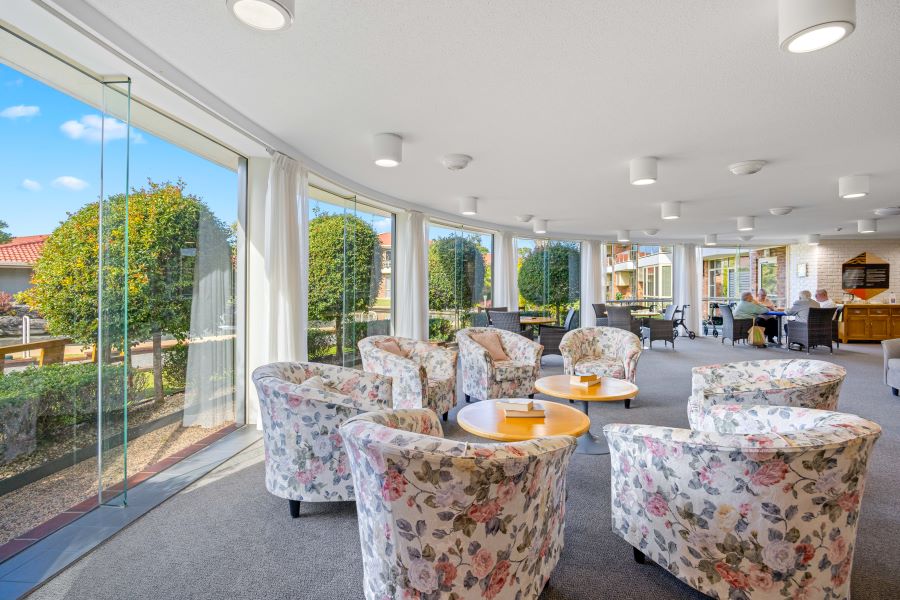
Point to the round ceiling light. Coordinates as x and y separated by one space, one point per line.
746 238
746 223
810 25
524 218
456 162
813 239
781 211
853 186
265 15
867 226
642 171
468 205
387 149
746 167
671 210
651 232
623 235
711 239
540 225
890 211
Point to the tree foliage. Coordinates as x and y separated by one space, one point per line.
163 224
4 235
456 273
551 274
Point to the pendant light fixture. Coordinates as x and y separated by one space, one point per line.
468 205
623 235
540 225
853 186
711 239
265 15
813 239
642 171
671 210
746 223
810 25
867 226
387 149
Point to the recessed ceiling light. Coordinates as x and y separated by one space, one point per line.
809 25
623 235
813 239
746 167
642 171
891 211
853 186
746 223
671 210
781 211
651 232
867 226
468 205
711 239
540 225
387 149
265 15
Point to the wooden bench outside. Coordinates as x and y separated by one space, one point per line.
50 351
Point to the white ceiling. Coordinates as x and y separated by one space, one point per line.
552 99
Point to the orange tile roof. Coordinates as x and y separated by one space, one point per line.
385 239
22 250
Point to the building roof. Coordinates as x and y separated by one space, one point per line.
385 239
22 251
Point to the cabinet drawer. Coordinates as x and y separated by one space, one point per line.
880 311
855 311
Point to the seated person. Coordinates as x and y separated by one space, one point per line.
763 299
747 308
801 307
823 299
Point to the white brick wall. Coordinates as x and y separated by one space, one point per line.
824 264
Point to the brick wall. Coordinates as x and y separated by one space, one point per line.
824 264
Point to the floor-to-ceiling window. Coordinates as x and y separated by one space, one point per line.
121 332
459 277
350 272
639 274
549 274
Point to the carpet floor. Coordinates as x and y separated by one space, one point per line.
226 537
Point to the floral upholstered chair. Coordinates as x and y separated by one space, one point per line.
445 519
424 378
759 502
486 379
792 382
301 406
603 351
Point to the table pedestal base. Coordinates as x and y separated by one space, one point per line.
588 443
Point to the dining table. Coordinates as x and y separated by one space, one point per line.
533 324
779 316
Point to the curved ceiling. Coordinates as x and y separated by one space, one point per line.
553 99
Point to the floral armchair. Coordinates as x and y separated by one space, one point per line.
301 406
792 382
425 378
446 519
604 351
486 379
760 502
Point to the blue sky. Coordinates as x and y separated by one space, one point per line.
50 159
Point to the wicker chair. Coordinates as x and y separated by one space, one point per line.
600 312
495 309
508 321
551 336
817 330
620 318
734 329
661 329
836 326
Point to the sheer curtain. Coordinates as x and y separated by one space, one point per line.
687 280
411 262
506 275
209 386
592 280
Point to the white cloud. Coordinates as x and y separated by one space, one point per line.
31 185
93 128
67 182
382 225
16 112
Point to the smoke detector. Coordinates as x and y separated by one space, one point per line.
523 218
891 211
747 167
780 212
456 162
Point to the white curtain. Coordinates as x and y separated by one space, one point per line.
603 265
592 283
506 274
286 258
411 262
688 281
209 387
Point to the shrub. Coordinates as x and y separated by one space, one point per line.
6 304
440 329
174 369
320 343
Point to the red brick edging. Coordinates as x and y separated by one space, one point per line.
16 545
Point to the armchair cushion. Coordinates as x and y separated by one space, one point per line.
391 346
510 370
491 343
604 367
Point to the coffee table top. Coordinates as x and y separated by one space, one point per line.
484 419
610 389
537 320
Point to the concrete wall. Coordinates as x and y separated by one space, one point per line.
14 279
825 260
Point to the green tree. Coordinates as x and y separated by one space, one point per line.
163 224
456 273
344 270
4 235
551 274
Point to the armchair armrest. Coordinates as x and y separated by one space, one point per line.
521 349
440 363
472 350
412 420
891 350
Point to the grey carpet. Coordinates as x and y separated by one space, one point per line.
226 537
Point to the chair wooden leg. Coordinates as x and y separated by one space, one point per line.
628 403
896 392
468 398
446 415
639 556
294 506
531 396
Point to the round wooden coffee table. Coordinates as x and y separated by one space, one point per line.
608 390
484 419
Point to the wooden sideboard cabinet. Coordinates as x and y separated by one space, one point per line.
870 322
